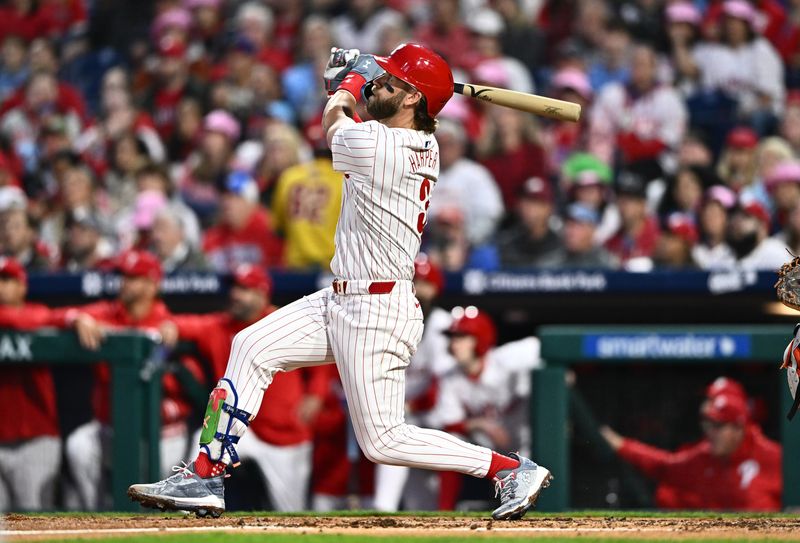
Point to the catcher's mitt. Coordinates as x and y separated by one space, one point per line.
788 285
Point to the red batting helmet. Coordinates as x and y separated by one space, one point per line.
425 70
469 321
425 270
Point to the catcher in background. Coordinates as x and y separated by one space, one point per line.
786 288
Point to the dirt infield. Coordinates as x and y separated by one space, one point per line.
30 527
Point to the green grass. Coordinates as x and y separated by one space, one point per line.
334 538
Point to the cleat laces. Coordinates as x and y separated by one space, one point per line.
181 472
505 488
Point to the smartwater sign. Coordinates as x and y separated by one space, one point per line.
667 346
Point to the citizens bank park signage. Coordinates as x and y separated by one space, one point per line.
666 345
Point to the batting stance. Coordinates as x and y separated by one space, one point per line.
368 322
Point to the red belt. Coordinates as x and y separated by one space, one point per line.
376 287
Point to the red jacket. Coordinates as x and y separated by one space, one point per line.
174 407
277 422
750 480
27 390
255 244
644 244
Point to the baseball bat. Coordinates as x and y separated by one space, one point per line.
532 103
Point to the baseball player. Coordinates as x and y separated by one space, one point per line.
479 397
30 445
137 306
368 322
280 441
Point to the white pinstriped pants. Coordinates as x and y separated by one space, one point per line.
371 338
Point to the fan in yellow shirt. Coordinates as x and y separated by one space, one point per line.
305 207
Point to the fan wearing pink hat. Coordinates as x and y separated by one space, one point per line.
733 468
783 184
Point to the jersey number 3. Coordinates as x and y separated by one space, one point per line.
424 196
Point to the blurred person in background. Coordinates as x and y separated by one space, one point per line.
464 186
790 121
683 31
78 193
694 150
643 121
771 152
561 139
448 246
173 82
197 182
533 241
644 19
300 80
256 22
152 177
23 124
14 70
511 152
734 468
743 66
770 18
678 238
684 191
490 65
280 441
614 62
580 248
117 118
133 228
789 235
712 251
477 398
126 156
362 24
30 443
585 179
244 232
520 39
446 33
281 147
748 236
783 185
637 237
137 306
305 205
19 237
169 243
737 164
188 127
84 247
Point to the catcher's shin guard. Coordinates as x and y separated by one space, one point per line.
216 438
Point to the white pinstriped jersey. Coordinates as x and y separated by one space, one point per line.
389 175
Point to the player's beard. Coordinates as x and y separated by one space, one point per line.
384 108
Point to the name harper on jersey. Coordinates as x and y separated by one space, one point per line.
424 159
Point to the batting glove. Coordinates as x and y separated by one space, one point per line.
354 75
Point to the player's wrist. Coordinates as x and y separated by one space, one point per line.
352 83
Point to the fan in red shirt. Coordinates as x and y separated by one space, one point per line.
244 233
137 306
734 468
280 441
27 391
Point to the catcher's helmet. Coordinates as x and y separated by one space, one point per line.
425 70
469 321
425 270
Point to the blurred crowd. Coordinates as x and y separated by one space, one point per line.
191 128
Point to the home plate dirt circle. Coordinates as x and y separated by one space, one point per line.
30 527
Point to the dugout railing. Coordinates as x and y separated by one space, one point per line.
566 346
136 369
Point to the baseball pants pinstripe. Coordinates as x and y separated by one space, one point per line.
371 339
